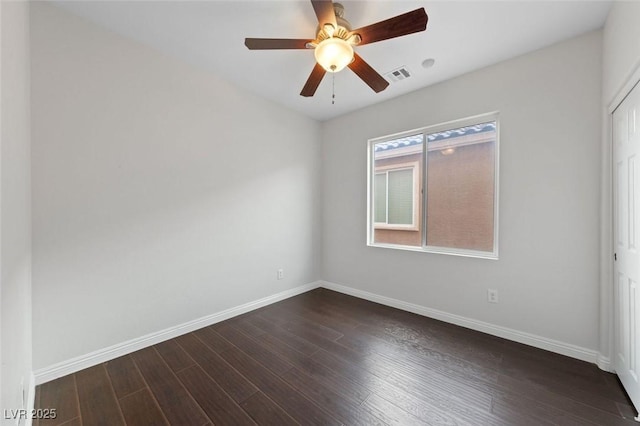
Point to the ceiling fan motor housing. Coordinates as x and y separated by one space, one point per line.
343 26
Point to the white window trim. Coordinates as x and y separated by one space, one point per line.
415 167
440 127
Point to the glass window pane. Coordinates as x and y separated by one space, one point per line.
401 197
380 198
460 187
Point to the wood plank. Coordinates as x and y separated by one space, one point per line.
72 422
478 399
413 329
435 349
236 385
312 312
388 318
212 339
469 403
465 375
175 402
434 406
216 403
471 378
391 414
173 354
513 415
267 358
332 379
292 322
591 410
625 408
348 411
61 395
301 345
304 332
626 411
518 354
140 409
549 376
415 358
124 375
348 364
296 405
98 404
347 319
243 325
549 414
374 368
431 356
384 316
266 412
418 360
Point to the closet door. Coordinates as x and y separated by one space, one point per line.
626 172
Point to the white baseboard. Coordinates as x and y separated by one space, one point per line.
556 346
73 365
604 363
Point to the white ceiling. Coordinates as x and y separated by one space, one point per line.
461 36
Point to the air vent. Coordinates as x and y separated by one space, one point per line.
398 74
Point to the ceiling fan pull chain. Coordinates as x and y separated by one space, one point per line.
333 88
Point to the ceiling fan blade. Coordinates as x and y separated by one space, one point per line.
407 23
324 12
368 74
313 81
275 43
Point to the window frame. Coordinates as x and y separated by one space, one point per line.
423 200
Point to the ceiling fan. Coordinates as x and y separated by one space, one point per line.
334 42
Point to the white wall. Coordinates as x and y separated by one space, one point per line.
15 207
620 69
548 272
621 46
161 193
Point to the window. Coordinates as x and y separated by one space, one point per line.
397 188
435 189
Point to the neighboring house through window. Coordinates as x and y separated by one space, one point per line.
396 194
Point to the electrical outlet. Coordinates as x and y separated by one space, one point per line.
280 274
492 295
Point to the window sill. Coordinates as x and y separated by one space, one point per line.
440 250
396 228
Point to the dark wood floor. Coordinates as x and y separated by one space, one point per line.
327 358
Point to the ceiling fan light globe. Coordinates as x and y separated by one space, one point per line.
333 54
